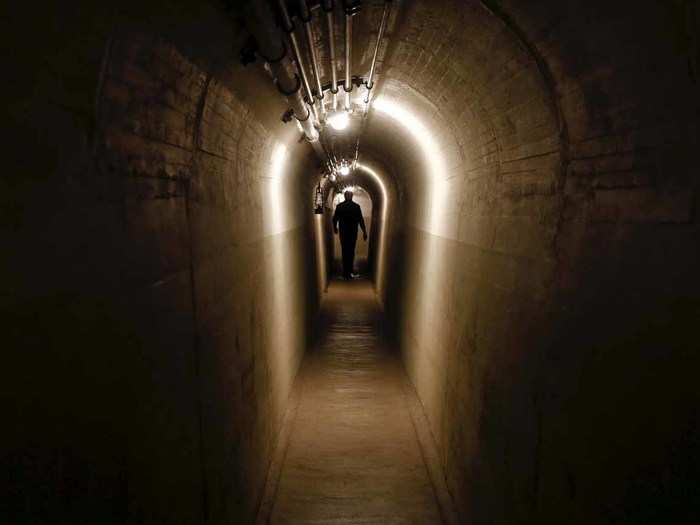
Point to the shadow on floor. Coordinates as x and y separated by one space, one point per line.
352 453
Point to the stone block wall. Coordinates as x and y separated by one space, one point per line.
153 319
546 301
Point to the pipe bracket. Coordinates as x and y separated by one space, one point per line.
352 7
292 91
275 60
288 116
308 115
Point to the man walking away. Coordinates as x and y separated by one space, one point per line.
349 215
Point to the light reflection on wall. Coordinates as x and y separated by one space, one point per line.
380 276
434 162
274 211
282 339
424 272
321 250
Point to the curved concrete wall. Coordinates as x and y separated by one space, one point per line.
376 179
158 269
549 244
537 263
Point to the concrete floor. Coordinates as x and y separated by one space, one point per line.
353 455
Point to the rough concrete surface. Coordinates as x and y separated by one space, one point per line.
536 250
353 455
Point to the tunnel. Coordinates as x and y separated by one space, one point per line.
521 345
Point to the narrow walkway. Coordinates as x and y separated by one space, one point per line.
353 456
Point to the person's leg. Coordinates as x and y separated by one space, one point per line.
347 243
344 249
351 256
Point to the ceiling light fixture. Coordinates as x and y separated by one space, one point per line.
339 120
345 170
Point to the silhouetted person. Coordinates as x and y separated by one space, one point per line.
349 215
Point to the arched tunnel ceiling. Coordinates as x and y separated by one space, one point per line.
457 98
374 178
506 107
466 78
154 188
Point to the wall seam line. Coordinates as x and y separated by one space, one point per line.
204 496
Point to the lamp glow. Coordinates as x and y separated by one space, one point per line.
381 245
435 167
339 120
423 321
276 219
345 170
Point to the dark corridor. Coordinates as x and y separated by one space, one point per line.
353 455
176 349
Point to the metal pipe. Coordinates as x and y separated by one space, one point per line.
328 8
289 28
318 147
322 108
271 47
357 152
380 34
308 30
348 59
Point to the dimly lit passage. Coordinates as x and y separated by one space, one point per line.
353 455
178 346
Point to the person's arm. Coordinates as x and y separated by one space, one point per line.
362 223
335 220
